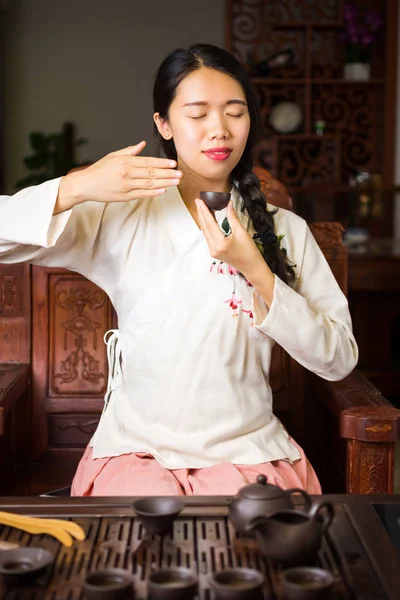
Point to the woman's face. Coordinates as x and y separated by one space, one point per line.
209 122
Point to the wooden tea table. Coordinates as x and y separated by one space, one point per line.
358 549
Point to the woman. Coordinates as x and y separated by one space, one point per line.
201 299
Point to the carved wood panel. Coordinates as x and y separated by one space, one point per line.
253 22
69 362
305 161
11 290
71 429
79 318
371 464
353 114
15 313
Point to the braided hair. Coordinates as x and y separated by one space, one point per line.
175 67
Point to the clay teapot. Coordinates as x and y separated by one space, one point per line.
261 499
293 537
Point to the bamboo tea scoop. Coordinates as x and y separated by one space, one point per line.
63 531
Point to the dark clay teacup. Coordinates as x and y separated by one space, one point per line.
238 584
24 565
110 584
307 583
172 584
157 513
293 537
215 200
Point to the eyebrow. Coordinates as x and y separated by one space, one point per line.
202 103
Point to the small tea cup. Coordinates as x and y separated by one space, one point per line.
238 584
157 513
307 583
172 584
108 584
215 200
22 565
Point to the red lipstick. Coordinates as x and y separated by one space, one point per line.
218 153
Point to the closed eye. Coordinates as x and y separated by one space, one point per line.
228 115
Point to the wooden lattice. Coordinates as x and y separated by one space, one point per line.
353 139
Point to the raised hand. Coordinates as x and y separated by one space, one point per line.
237 249
118 177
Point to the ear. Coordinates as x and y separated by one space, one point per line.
163 126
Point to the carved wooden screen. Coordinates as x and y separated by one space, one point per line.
359 127
69 362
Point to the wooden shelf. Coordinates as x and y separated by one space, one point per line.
326 188
276 81
373 81
315 82
305 25
305 136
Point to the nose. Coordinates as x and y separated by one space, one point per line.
218 129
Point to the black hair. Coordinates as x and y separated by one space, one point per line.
174 68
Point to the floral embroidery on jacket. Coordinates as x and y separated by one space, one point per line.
236 300
221 268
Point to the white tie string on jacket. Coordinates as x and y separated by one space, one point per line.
112 339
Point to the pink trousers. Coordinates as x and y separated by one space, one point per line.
141 475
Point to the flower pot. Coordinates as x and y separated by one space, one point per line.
357 71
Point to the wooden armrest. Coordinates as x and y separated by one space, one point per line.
353 391
14 379
370 425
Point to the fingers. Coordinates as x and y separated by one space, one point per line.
209 227
149 166
129 150
143 193
152 173
149 162
144 162
152 183
232 216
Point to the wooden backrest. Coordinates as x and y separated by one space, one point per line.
286 375
274 191
15 313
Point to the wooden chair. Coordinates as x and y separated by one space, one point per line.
275 192
347 428
15 325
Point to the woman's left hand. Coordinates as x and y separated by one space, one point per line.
237 249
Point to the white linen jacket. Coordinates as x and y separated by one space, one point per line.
189 365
